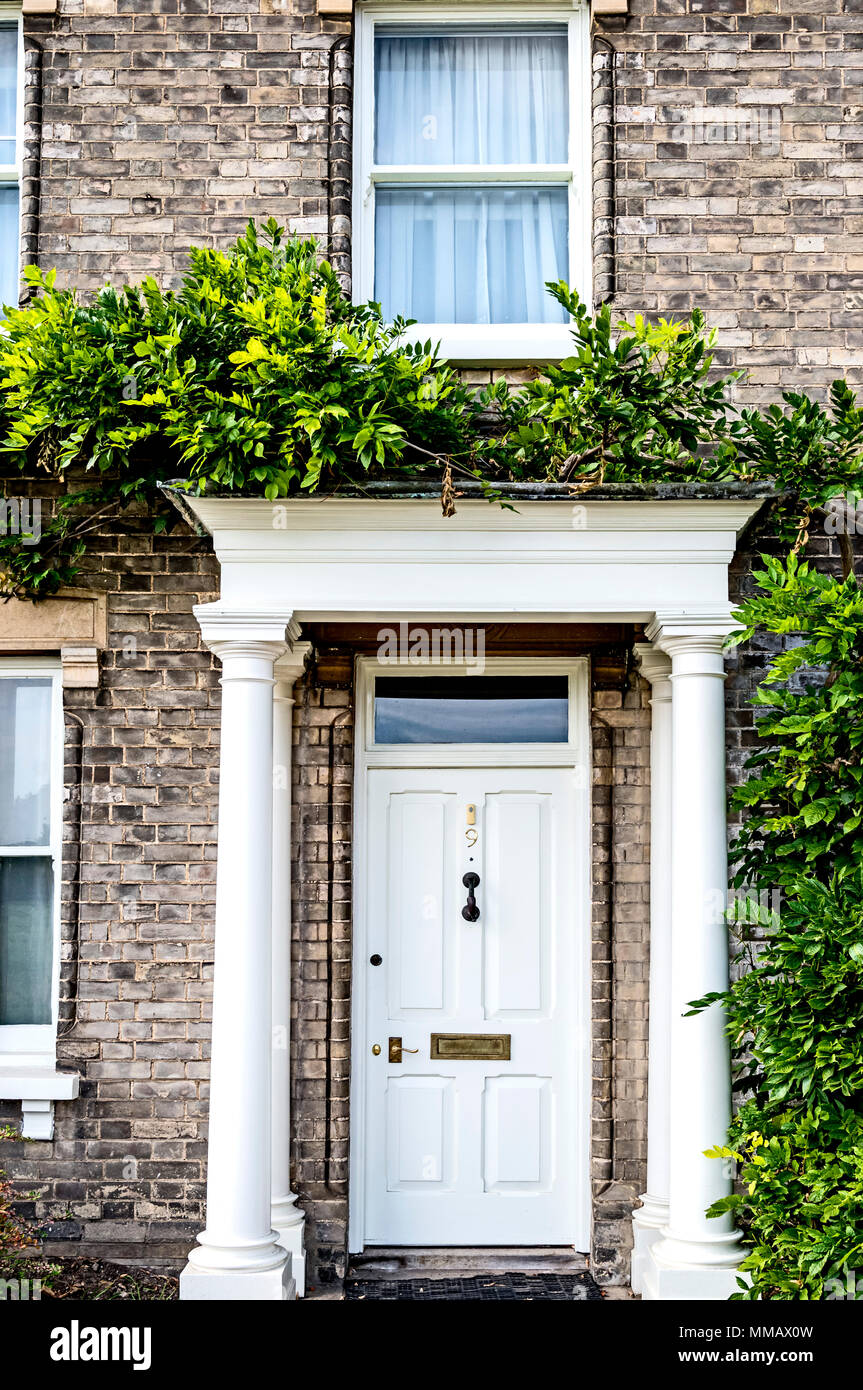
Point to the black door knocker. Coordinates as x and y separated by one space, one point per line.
470 911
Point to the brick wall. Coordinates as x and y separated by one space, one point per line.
764 235
166 122
620 729
175 121
321 1004
127 1164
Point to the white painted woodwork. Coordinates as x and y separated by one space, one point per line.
474 1151
491 344
696 1256
287 1218
650 1218
356 558
664 563
237 1256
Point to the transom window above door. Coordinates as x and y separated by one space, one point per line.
472 709
471 187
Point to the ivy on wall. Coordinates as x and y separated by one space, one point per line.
258 376
794 1015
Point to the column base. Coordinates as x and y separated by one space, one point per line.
289 1223
274 1285
666 1278
648 1222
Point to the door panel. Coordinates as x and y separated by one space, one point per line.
419 1132
517 1133
417 880
473 1151
516 953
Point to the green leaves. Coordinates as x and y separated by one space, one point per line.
804 799
259 375
636 407
808 451
794 1011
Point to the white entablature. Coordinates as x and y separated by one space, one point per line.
560 558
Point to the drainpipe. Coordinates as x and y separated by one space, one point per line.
345 42
31 172
611 171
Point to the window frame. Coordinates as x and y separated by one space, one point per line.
12 175
35 1044
492 344
558 754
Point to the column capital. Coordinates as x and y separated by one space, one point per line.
682 630
290 667
229 631
653 663
691 630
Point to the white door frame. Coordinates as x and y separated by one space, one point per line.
574 754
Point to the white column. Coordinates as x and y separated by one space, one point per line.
649 1219
696 1256
287 1218
237 1256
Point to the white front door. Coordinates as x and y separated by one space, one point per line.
482 1149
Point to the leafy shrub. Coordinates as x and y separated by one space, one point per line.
794 1015
635 406
259 376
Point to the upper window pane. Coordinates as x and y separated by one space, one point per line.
478 98
25 761
472 709
8 93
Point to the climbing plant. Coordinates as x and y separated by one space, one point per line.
794 1012
258 375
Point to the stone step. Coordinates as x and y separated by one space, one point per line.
407 1262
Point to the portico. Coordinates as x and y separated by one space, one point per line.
657 561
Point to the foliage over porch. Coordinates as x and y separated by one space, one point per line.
259 376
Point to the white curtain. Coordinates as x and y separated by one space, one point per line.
25 761
8 92
476 253
471 99
8 247
470 255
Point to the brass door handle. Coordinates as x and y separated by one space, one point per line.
396 1049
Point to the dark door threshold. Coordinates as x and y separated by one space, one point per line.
483 1288
486 1273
